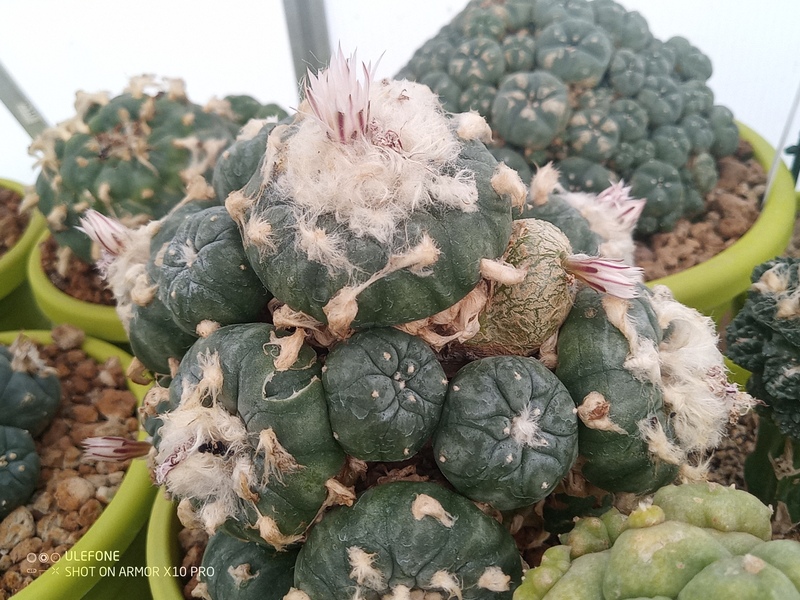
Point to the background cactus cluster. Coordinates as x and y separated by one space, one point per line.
763 339
131 156
690 542
585 83
30 393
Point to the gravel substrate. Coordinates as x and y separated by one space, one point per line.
71 493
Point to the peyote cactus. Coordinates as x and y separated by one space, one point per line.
763 338
19 468
385 390
424 350
30 393
515 414
692 542
234 568
407 538
235 420
130 156
338 244
587 66
648 381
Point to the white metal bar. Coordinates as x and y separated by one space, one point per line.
21 108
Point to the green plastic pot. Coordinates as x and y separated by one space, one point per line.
98 321
715 286
16 307
78 573
163 551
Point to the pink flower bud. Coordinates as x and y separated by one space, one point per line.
605 275
112 448
339 100
109 233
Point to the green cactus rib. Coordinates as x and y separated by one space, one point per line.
408 537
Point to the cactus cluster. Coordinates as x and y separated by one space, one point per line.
585 83
763 339
366 298
131 156
690 542
30 393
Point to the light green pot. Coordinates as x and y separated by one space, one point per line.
77 574
163 551
715 286
96 320
17 310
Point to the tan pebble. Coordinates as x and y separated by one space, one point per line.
97 479
72 457
87 369
17 526
68 337
71 521
57 429
14 581
6 562
49 521
71 493
60 536
42 503
105 494
25 547
51 457
89 512
84 413
115 478
73 357
116 403
78 385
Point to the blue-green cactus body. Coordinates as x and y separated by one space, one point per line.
236 568
29 392
531 109
19 468
205 275
514 414
408 538
385 390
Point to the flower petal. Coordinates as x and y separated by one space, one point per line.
113 448
109 233
605 275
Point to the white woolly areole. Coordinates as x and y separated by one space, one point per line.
368 186
543 183
295 594
427 506
362 569
525 428
694 377
642 359
210 478
447 582
472 126
494 580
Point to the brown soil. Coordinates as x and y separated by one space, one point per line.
71 493
82 281
12 223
